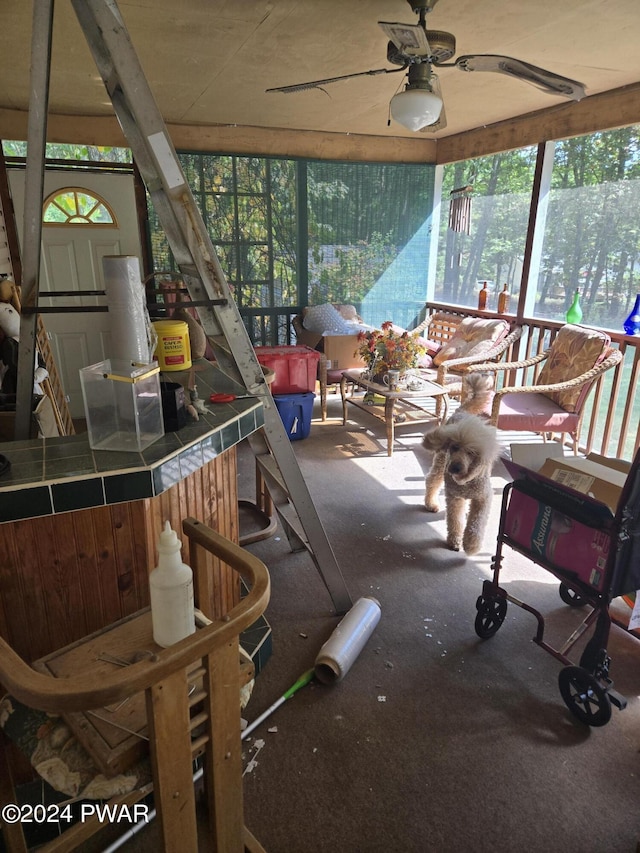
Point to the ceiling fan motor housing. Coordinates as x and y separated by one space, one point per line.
420 77
442 46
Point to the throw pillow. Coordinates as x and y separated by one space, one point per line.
432 347
473 336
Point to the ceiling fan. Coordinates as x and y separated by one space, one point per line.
418 50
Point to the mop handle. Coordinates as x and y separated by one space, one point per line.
305 678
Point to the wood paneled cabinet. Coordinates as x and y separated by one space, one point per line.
68 574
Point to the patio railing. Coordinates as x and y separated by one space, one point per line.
611 424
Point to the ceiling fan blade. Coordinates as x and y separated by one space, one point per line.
317 84
410 39
549 82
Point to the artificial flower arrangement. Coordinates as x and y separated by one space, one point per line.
385 349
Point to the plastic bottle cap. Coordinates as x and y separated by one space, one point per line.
168 542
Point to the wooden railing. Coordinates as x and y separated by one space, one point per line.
270 326
611 424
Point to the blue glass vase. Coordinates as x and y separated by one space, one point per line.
631 325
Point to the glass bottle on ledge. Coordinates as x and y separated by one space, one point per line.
503 300
631 325
574 314
482 297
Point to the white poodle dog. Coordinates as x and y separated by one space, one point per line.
465 449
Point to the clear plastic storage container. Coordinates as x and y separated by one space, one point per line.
122 405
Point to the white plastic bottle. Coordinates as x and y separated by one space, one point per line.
171 588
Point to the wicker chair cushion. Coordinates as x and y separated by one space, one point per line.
575 350
334 376
432 348
473 336
534 413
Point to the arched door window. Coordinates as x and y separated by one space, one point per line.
76 206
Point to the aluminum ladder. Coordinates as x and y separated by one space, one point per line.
156 158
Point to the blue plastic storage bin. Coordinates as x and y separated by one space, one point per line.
296 411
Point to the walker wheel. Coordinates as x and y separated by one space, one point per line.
584 696
571 597
490 616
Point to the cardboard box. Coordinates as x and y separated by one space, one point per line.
305 338
534 456
598 477
340 352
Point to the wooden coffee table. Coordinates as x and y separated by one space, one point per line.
404 405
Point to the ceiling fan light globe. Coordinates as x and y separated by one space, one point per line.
415 108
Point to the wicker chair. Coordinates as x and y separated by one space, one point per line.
565 375
444 330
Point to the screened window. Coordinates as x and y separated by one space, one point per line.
248 205
74 155
292 233
591 234
73 206
491 249
369 230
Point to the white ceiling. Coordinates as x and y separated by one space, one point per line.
209 61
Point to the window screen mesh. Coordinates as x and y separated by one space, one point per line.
362 237
369 227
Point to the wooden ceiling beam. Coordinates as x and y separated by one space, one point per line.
605 111
233 139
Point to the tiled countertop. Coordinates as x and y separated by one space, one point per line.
54 475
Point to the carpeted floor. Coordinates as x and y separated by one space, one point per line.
435 741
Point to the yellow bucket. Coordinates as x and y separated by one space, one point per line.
173 349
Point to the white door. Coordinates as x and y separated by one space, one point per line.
72 261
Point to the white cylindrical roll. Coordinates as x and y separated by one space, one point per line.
347 641
128 316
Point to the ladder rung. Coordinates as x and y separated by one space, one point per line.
196 697
289 518
272 475
198 745
54 294
202 303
